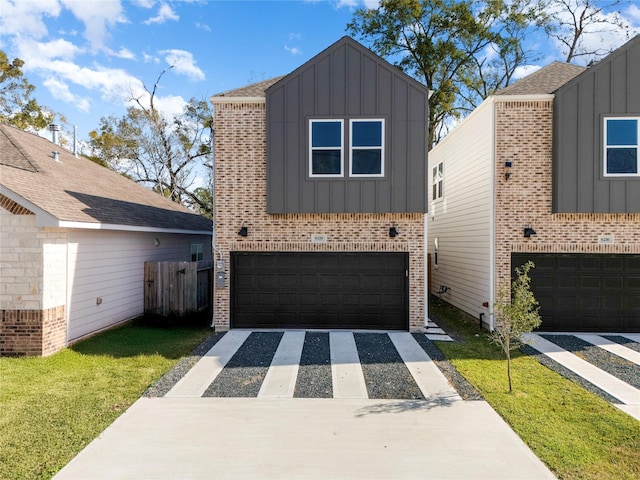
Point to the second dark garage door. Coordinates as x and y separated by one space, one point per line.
585 292
320 290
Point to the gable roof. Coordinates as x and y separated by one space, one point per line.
544 81
75 191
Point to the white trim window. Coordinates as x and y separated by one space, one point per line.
366 149
326 152
437 187
621 135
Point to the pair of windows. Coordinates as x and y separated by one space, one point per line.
621 146
365 148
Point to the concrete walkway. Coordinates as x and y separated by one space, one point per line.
272 436
628 395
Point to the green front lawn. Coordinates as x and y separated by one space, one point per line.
51 408
576 434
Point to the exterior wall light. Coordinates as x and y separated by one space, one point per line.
243 232
393 232
528 231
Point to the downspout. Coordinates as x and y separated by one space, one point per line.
213 236
492 219
426 272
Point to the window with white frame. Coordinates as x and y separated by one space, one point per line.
326 156
621 146
437 181
197 252
366 155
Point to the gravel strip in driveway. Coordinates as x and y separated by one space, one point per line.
244 373
180 369
385 374
624 341
619 367
314 372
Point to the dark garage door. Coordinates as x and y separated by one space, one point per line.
320 290
585 292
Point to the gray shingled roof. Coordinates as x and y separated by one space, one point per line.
544 81
76 189
253 90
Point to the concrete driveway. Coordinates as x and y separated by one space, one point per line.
386 413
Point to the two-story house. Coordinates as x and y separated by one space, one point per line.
320 197
545 170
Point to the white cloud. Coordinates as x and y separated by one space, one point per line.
183 63
38 54
293 50
97 17
524 70
25 18
633 13
144 3
124 53
371 4
60 90
203 26
165 13
150 58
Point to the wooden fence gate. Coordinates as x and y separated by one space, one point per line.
177 288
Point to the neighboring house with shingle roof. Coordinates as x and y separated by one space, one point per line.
74 237
545 170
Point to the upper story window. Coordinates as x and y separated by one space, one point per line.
367 148
437 181
327 146
621 146
197 252
326 157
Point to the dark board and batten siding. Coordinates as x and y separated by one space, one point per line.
611 87
347 81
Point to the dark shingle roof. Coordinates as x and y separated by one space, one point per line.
253 90
75 189
543 81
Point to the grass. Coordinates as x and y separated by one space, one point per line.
575 433
53 407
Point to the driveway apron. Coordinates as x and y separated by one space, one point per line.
383 410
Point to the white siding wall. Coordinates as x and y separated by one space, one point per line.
461 220
110 265
54 267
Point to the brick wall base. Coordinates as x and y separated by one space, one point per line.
32 332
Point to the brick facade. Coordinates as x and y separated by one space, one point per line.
240 199
32 332
524 136
33 284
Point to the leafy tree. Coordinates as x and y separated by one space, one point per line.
462 50
516 313
17 108
164 154
571 20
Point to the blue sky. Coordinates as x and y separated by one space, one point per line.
87 58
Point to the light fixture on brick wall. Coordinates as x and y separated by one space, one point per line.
507 169
244 231
393 232
528 231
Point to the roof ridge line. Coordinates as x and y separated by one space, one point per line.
18 146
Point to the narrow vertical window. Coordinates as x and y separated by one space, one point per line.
437 181
366 148
326 148
197 252
621 146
